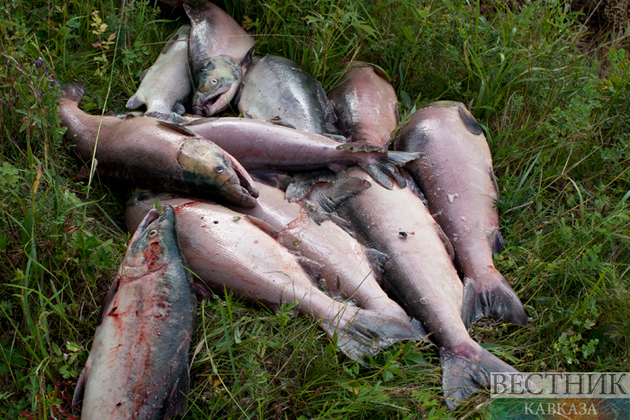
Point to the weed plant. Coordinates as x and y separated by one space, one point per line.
555 115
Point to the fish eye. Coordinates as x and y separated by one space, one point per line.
214 81
219 169
153 232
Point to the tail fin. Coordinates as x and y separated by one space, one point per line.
370 332
135 101
386 169
73 91
467 372
494 298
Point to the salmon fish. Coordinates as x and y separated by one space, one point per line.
219 52
421 277
365 105
166 85
138 364
457 180
142 151
348 270
261 145
227 249
276 88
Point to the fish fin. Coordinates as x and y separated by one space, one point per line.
380 72
304 182
331 195
79 390
177 127
177 401
201 289
413 187
272 178
247 60
336 137
172 40
467 372
386 169
469 121
448 245
277 121
370 332
313 269
237 96
377 260
493 179
190 11
497 242
109 298
144 74
159 115
262 225
495 299
179 108
362 147
176 118
73 91
198 121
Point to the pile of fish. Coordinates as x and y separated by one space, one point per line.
301 200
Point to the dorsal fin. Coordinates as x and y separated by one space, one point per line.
262 225
177 127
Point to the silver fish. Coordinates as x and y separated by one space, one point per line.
365 105
145 152
166 86
457 179
138 364
220 52
261 145
277 89
421 277
346 269
226 249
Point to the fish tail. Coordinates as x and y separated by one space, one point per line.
369 332
386 169
135 101
73 91
467 371
494 298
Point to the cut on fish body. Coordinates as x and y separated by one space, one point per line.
276 88
219 52
225 249
166 85
138 364
260 145
457 180
346 270
143 151
365 105
421 277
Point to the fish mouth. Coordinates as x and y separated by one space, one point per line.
207 106
151 216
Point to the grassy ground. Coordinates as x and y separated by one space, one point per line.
554 108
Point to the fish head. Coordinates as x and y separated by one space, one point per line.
153 244
207 167
216 84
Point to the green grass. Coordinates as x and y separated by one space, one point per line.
555 114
